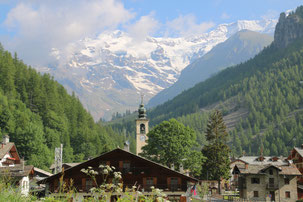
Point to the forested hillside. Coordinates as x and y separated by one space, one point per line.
266 94
38 114
240 47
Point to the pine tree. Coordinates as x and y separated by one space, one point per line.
217 152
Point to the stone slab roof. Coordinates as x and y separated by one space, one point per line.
259 169
253 160
68 164
299 150
5 148
17 170
38 170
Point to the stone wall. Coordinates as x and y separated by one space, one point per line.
264 192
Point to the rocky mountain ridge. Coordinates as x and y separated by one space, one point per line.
109 72
289 28
238 48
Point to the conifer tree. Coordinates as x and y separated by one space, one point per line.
216 167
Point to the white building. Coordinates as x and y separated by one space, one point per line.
13 167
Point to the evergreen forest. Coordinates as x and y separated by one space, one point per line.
267 88
38 114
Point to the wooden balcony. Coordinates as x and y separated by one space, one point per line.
272 186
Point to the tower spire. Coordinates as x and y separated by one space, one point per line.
142 110
141 127
142 96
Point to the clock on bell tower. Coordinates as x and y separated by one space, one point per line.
141 128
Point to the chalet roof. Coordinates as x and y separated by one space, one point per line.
5 148
38 170
253 160
88 162
299 150
17 170
68 164
259 169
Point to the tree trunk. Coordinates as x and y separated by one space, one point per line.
219 186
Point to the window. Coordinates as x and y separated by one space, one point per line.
270 172
174 183
256 194
149 181
88 184
287 194
271 181
126 166
142 128
255 180
286 180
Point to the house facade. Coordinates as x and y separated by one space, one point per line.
13 167
271 179
135 171
296 155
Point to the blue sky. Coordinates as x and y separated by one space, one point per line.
218 11
33 27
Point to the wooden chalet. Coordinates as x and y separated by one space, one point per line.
64 166
135 170
296 155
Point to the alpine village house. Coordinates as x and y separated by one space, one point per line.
13 168
260 178
135 170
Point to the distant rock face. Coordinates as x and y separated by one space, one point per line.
238 48
110 71
289 28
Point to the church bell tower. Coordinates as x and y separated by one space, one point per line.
141 128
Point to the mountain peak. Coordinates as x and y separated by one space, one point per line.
289 28
106 70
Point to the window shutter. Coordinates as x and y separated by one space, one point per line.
179 180
83 184
168 181
108 163
155 181
144 181
120 165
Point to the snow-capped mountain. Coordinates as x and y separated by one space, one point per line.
109 72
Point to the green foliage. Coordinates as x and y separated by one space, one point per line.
269 87
172 143
217 152
216 129
38 114
10 192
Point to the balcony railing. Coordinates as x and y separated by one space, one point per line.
145 188
135 170
272 186
164 187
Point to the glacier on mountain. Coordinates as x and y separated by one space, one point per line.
100 69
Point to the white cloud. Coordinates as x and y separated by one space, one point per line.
186 26
42 25
270 14
145 26
225 16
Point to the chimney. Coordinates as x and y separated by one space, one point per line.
181 168
22 164
5 139
172 166
126 146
